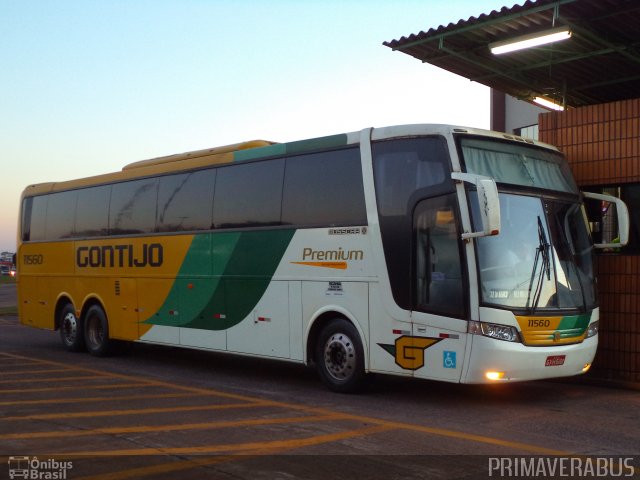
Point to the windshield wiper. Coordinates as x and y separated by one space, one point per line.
542 253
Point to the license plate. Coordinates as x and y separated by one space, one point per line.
554 360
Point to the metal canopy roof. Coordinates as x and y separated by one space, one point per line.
600 63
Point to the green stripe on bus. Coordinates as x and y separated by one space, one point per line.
320 143
574 325
302 146
575 322
243 266
261 152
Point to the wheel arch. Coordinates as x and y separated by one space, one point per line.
63 299
321 318
90 302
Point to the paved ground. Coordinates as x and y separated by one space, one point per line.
7 295
167 413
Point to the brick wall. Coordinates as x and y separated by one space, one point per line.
602 144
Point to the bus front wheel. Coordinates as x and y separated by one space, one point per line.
71 331
340 357
96 332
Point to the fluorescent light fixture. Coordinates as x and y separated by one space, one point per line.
545 102
531 40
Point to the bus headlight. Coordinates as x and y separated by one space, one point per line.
494 330
593 329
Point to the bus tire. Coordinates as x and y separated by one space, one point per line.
71 331
340 357
96 332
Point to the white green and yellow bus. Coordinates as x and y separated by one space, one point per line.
427 251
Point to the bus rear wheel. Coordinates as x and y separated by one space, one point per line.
340 357
71 331
96 332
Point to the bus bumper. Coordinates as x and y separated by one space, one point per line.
496 361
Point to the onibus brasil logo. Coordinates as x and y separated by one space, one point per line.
32 468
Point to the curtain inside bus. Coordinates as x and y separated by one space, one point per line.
518 165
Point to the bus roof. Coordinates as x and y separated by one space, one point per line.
170 163
180 157
256 149
238 152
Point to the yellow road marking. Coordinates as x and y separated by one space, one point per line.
96 399
5 357
6 364
320 411
55 379
464 436
33 372
137 411
172 428
247 451
231 447
148 382
175 466
77 387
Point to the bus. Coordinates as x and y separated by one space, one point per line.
428 251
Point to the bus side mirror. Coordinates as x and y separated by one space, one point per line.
488 201
622 216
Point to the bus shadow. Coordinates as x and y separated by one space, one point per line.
224 370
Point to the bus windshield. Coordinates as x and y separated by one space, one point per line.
543 257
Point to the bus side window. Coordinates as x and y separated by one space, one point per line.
438 283
61 212
92 211
27 206
38 218
178 196
133 207
334 196
249 195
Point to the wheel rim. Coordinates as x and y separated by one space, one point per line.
340 356
70 328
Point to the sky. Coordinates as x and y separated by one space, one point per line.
88 86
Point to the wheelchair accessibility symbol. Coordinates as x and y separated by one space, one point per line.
448 359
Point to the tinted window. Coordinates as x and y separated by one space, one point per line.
133 207
38 217
61 209
324 189
25 233
438 284
185 201
403 167
92 212
248 195
406 171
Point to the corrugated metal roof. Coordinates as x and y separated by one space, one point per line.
599 63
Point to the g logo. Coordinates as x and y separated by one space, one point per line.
409 351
